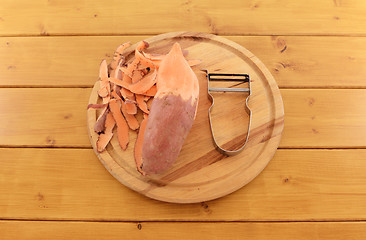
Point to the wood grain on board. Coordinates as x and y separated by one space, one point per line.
166 231
305 17
72 184
44 117
294 61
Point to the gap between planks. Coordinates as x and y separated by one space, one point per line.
90 87
180 221
78 147
223 34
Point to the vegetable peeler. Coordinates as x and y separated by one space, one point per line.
230 77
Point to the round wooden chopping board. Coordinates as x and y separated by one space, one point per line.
201 173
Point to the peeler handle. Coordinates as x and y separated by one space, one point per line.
246 107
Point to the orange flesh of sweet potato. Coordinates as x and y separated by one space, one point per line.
131 107
108 97
127 94
157 58
122 127
130 118
151 92
137 76
141 103
118 72
131 67
139 55
104 83
105 137
115 96
100 123
117 89
172 113
124 71
117 57
143 60
119 82
113 71
144 84
103 140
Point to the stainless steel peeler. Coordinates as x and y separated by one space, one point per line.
232 77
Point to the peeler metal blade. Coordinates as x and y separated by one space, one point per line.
231 77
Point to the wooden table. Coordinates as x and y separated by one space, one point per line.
52 186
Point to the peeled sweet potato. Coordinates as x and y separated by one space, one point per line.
172 113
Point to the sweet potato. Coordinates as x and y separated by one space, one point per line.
172 113
162 85
157 58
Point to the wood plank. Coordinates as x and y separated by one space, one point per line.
71 184
152 230
150 17
311 62
74 61
55 61
324 118
45 117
